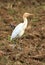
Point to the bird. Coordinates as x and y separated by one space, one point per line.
20 28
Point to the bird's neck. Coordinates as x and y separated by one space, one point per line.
25 22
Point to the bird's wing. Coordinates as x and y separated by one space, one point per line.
17 30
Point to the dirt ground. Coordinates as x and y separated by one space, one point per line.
30 48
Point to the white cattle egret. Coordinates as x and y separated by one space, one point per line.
20 28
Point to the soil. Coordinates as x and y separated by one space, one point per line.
30 48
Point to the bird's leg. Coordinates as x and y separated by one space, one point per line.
23 36
15 40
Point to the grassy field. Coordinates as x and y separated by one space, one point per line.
30 48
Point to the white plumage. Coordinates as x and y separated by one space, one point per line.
17 31
20 28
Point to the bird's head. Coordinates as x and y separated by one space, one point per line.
27 15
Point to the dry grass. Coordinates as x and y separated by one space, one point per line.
30 49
